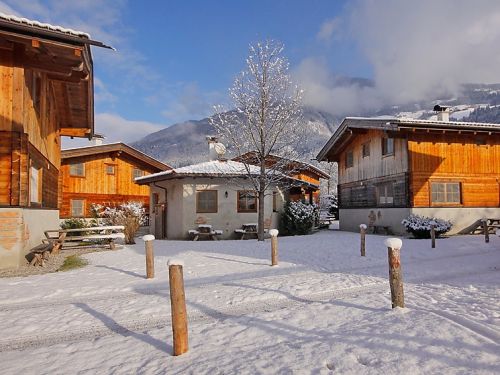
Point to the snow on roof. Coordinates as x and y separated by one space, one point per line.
210 168
42 25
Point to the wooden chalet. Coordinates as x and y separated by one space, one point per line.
392 167
104 174
306 175
46 92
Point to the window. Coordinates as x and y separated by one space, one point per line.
35 185
349 159
206 201
77 169
110 169
386 193
387 146
445 192
77 207
366 149
136 172
247 201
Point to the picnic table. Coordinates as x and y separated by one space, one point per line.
204 231
249 229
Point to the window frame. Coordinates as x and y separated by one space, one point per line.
445 192
385 142
71 207
207 211
38 186
385 186
239 209
106 166
365 146
133 173
347 158
72 174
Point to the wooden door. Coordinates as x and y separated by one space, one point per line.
160 213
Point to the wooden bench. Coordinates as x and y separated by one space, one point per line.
60 237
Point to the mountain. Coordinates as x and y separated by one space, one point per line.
184 143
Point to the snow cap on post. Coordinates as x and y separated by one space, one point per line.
175 262
362 226
393 243
273 232
148 237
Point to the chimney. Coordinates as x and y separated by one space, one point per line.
212 141
443 112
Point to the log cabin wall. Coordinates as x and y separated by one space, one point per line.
373 179
99 187
29 134
471 160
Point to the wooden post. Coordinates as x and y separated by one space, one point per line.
395 274
486 231
274 246
150 258
433 234
362 232
178 307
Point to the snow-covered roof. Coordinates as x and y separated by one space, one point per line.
215 168
43 25
396 124
24 26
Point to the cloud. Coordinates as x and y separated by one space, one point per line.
117 129
417 49
190 102
327 29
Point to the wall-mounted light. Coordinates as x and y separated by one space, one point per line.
226 194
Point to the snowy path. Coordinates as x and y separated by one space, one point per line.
330 301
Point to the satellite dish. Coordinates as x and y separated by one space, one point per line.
220 149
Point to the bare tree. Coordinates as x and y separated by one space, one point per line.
266 120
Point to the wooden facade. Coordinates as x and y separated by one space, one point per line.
434 168
107 178
46 91
471 160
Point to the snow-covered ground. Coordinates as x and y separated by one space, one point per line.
324 309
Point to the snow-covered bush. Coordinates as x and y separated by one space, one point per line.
329 205
131 215
74 223
298 218
420 226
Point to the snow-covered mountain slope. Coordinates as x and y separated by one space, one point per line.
184 143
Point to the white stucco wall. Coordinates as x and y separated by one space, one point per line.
181 206
350 219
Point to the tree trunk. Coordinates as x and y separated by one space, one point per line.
260 226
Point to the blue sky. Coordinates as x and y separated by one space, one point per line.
176 59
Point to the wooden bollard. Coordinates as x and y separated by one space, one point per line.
433 234
178 307
274 246
486 231
362 232
395 274
150 258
